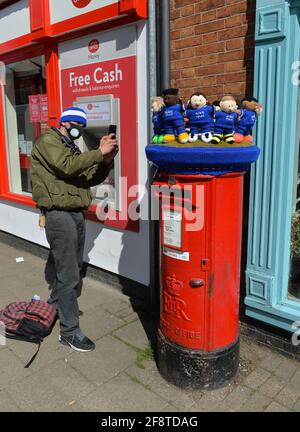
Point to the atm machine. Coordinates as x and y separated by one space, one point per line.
102 111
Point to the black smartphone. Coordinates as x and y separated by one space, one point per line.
112 130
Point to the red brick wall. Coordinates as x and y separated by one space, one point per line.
212 47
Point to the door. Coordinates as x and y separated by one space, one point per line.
271 280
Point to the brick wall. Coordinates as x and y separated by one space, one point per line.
212 47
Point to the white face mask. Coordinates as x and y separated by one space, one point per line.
75 132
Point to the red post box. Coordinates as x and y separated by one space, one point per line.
200 236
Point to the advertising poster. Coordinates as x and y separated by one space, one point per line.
34 109
38 108
103 63
44 108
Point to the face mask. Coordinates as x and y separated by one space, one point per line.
75 132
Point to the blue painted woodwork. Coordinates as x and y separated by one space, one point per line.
277 48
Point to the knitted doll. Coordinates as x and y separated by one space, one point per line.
172 117
201 118
157 106
251 109
225 120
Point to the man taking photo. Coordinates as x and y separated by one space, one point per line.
61 180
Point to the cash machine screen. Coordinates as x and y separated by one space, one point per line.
97 111
101 112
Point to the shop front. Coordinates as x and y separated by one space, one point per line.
90 54
273 270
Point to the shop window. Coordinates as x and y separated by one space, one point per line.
26 112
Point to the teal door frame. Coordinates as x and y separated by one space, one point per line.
277 48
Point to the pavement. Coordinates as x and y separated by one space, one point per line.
121 374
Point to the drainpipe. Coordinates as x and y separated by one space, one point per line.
159 77
153 91
165 43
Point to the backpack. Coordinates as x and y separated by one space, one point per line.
28 321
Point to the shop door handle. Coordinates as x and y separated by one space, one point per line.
197 283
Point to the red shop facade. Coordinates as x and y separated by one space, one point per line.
89 53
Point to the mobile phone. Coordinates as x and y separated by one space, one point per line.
112 130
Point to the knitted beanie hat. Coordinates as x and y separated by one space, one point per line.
74 114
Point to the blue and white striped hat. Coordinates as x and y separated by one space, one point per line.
74 114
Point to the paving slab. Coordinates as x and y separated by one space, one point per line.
162 388
296 407
271 362
187 400
287 396
286 369
257 378
223 407
97 322
134 334
7 404
51 389
238 396
207 400
272 386
122 393
276 407
131 317
95 293
108 359
118 305
144 374
257 402
12 369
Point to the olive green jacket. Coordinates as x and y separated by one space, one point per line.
62 179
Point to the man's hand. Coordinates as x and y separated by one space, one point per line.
109 148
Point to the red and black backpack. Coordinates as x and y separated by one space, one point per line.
28 321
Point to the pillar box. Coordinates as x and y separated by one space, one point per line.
200 195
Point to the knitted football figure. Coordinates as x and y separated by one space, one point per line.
225 120
201 118
157 106
250 110
173 124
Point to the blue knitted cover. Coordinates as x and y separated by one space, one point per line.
202 160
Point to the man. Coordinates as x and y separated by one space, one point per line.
61 180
